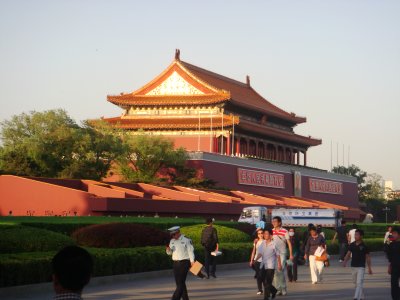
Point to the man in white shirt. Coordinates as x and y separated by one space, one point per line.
270 255
282 240
182 251
352 233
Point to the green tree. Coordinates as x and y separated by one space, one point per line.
354 171
51 144
373 187
37 144
146 157
96 147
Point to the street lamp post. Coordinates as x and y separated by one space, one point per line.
386 209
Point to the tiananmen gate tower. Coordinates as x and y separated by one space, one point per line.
203 111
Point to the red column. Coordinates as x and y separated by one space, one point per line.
228 145
237 146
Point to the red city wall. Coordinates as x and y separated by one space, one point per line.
227 175
24 196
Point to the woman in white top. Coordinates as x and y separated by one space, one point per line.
271 260
388 236
255 264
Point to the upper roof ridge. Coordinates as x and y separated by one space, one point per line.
191 66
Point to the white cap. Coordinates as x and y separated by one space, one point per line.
174 229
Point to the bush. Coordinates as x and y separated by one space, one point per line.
26 268
120 235
225 234
67 225
374 244
16 239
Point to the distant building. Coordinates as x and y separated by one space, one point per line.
387 187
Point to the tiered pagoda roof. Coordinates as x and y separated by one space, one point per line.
183 85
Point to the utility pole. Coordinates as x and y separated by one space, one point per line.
386 209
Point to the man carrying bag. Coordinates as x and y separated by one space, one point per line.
209 240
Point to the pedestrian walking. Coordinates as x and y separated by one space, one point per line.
256 264
209 240
393 254
359 253
352 233
306 235
320 231
388 236
315 245
281 239
343 239
182 251
291 265
269 253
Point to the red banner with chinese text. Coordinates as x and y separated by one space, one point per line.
266 179
324 186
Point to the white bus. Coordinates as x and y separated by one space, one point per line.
300 217
293 217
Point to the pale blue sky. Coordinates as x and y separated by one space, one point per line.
335 62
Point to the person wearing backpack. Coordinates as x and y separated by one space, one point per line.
209 240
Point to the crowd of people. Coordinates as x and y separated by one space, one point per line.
275 257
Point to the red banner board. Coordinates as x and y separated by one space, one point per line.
266 179
324 186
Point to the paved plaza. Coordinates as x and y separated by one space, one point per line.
233 282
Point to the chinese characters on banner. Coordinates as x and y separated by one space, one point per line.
324 186
252 177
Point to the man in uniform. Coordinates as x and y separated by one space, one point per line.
182 251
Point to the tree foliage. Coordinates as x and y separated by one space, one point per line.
51 144
369 185
149 157
372 188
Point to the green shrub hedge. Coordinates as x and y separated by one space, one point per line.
26 268
67 225
14 239
374 244
120 235
225 234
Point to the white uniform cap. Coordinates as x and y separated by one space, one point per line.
174 229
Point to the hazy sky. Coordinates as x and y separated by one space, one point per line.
335 62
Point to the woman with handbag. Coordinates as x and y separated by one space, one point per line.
315 250
255 264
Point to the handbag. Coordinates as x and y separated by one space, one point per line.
323 257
